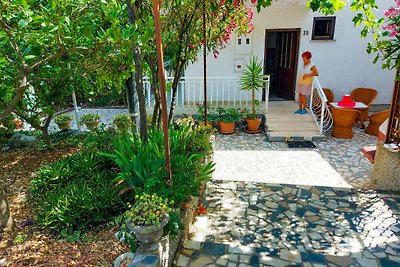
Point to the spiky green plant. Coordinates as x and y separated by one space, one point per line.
253 79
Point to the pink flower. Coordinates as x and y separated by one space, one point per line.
216 53
393 33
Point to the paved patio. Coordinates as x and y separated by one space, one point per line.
297 207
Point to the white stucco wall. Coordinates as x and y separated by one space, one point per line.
343 63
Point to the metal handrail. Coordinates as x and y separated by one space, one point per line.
319 107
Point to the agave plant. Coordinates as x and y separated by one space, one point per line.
253 79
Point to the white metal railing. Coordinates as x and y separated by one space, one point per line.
221 91
319 107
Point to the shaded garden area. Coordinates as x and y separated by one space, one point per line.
69 201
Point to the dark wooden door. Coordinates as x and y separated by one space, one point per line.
287 54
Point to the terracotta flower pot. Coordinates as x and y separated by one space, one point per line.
92 125
253 125
64 125
226 127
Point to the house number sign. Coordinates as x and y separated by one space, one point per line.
305 32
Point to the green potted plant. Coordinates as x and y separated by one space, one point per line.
91 120
147 217
211 116
227 119
63 121
122 121
253 79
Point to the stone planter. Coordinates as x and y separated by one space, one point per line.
149 236
64 125
386 170
92 125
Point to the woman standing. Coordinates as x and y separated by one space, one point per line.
304 83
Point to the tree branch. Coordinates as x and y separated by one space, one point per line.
20 93
5 28
60 53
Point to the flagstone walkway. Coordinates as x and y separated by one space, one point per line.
263 218
336 162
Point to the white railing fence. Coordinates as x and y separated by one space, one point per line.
319 107
221 91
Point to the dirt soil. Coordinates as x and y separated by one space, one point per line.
28 244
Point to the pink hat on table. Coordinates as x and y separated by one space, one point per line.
346 102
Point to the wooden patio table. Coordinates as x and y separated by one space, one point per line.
359 105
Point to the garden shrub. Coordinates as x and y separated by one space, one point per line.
7 129
78 191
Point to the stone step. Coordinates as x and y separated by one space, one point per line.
289 118
291 127
195 253
282 136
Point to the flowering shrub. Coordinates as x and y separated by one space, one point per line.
389 47
385 31
231 17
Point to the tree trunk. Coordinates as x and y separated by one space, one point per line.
139 89
132 101
6 220
33 122
154 87
45 130
132 16
177 77
18 96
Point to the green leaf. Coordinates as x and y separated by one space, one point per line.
27 57
23 23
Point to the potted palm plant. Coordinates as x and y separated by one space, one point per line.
227 119
63 121
147 218
91 120
253 79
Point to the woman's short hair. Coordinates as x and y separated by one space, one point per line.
307 55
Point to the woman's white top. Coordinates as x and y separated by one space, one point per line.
306 70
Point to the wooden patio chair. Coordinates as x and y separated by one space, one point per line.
329 95
375 120
366 96
343 121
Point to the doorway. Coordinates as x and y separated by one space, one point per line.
280 62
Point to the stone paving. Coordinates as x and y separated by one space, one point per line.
277 225
336 162
263 219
